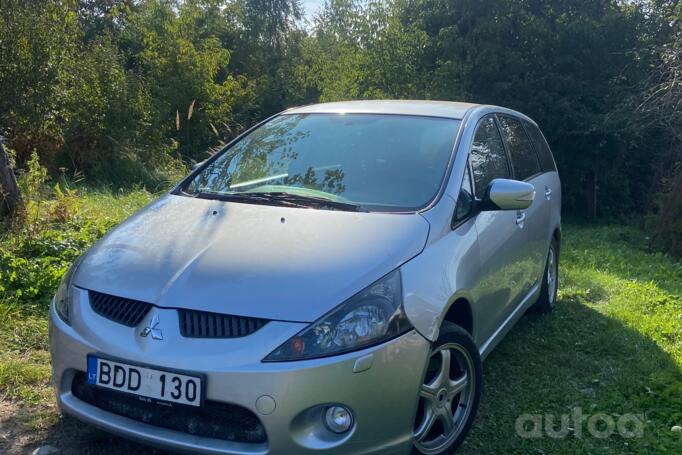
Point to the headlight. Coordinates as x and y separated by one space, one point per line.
374 315
62 299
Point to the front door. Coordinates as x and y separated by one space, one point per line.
502 237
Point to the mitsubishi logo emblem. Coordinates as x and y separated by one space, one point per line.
152 329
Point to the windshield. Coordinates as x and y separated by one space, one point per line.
377 162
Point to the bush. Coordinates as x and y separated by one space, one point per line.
59 224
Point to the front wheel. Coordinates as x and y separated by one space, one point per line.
450 394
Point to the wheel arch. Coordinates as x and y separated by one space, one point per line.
460 312
556 235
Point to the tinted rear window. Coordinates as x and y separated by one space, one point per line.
523 156
541 146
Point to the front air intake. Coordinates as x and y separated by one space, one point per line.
215 420
118 309
201 324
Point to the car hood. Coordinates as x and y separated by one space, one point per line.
282 263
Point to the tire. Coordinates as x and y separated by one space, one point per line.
456 400
550 280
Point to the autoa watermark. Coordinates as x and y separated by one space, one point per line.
579 425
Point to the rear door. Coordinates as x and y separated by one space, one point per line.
526 167
502 241
548 186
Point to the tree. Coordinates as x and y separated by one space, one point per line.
660 105
39 42
10 198
362 50
119 89
266 41
567 64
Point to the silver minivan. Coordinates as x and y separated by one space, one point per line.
328 283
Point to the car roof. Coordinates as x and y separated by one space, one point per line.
448 109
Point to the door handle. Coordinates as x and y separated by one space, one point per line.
548 193
520 219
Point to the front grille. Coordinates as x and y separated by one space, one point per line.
214 420
200 324
118 309
193 324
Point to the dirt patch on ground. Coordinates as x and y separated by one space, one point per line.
15 436
23 429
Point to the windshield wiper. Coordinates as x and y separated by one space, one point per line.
280 198
308 201
243 197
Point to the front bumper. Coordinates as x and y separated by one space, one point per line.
383 397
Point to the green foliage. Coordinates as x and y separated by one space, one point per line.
57 230
104 82
186 73
33 257
59 225
659 108
38 43
32 181
133 91
364 51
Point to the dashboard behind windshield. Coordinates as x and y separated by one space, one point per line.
377 161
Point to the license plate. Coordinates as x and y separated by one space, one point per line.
147 383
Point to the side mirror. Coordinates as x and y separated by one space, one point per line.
505 194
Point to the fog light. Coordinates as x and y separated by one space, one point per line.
338 419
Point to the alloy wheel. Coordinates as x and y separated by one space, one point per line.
445 399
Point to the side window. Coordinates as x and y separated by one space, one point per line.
465 200
523 156
488 157
544 154
466 181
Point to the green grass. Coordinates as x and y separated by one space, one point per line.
32 261
613 345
